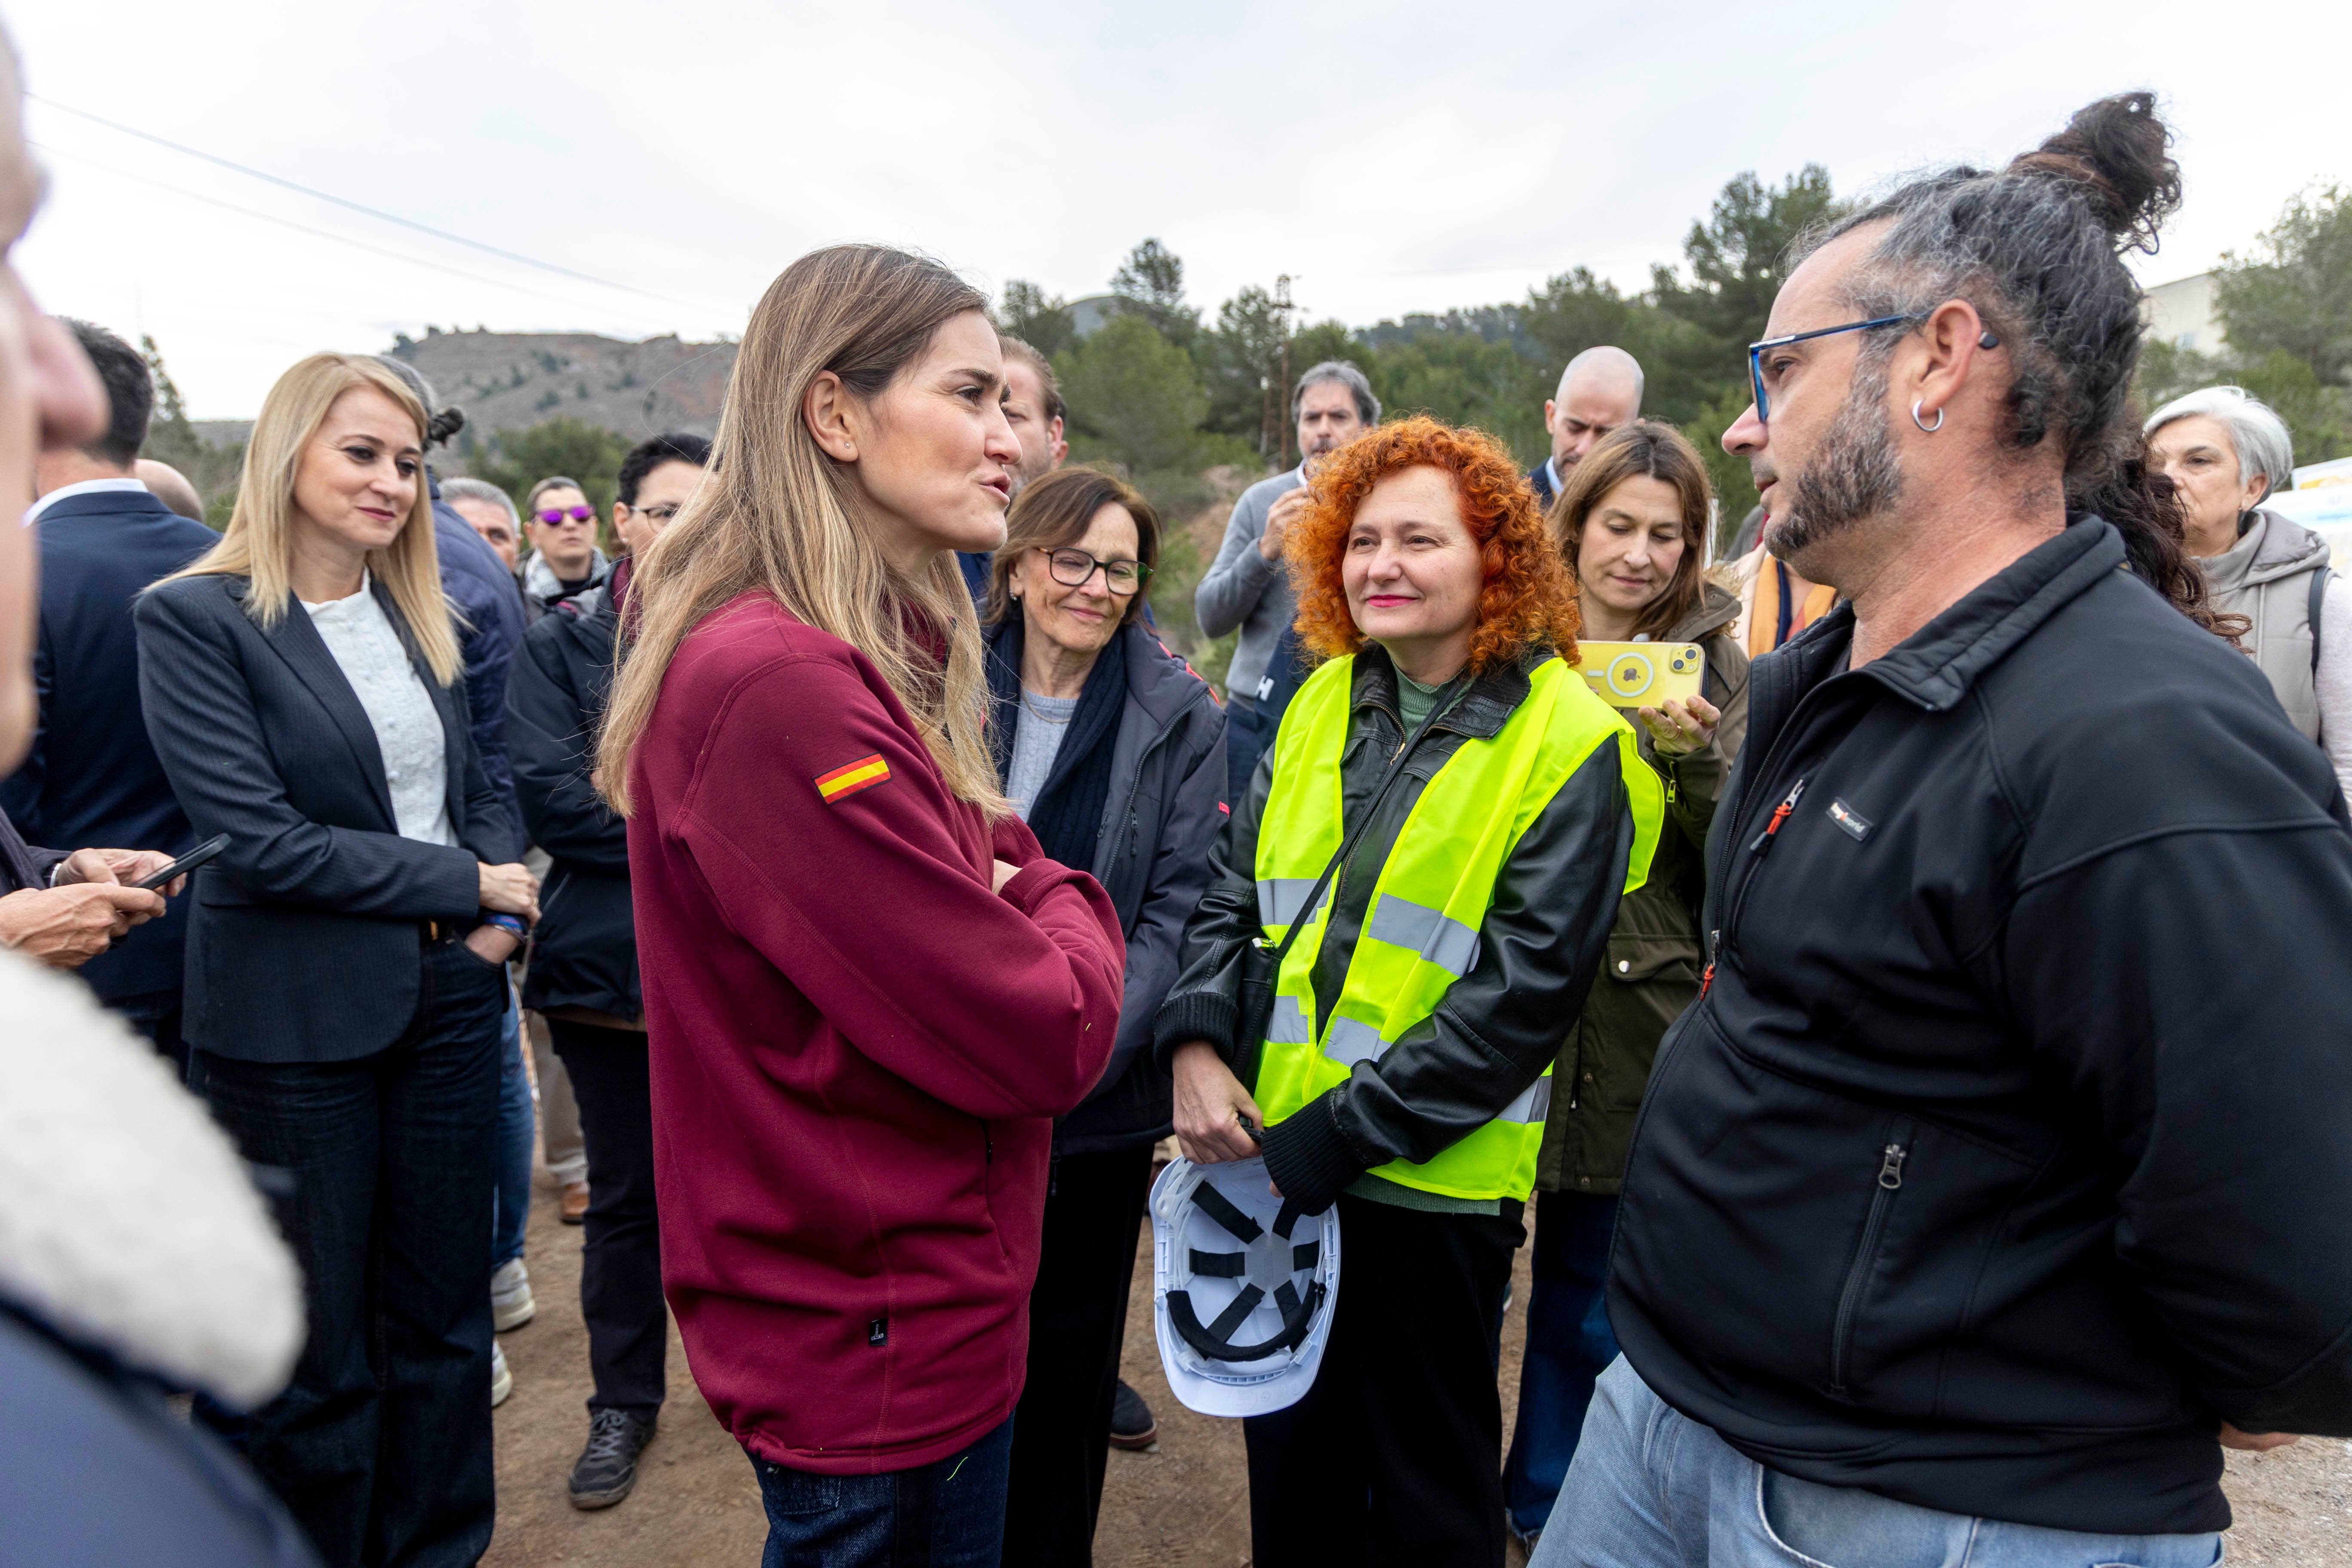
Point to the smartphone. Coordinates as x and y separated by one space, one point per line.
1642 674
184 863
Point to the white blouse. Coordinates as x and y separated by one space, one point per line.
407 726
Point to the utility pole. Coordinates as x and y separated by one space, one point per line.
1282 309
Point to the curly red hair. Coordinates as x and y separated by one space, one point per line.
1529 597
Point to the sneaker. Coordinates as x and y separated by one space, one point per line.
511 1303
502 1380
1131 1425
608 1466
572 1208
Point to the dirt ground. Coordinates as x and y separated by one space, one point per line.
1183 1504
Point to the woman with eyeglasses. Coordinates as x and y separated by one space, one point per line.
1113 750
564 559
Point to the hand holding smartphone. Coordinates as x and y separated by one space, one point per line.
183 865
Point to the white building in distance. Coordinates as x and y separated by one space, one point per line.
2181 313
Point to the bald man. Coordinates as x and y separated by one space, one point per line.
171 487
1599 390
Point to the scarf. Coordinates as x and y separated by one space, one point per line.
1067 814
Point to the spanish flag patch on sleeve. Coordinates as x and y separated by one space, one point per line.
851 777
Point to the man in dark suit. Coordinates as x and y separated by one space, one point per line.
1599 390
91 777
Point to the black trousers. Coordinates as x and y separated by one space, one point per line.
1078 1316
381 1446
1395 1455
620 1261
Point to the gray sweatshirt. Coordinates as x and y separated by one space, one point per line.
1242 588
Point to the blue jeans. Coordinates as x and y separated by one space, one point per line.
381 1446
1569 1343
1652 1489
516 1132
949 1514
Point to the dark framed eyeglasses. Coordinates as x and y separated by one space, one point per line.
1073 568
557 514
1756 352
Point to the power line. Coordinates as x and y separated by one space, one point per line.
346 240
361 207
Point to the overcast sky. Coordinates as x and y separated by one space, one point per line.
1391 157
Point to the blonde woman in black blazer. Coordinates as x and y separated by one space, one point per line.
346 953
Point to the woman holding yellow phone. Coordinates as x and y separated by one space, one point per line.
1632 525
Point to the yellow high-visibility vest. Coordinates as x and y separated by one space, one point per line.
1420 930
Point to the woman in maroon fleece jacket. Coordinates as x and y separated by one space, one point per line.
866 990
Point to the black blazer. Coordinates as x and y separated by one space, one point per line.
91 777
305 944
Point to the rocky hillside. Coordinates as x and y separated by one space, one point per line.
511 381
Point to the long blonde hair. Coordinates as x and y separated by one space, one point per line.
775 515
258 544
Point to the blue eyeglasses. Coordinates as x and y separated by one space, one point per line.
1756 352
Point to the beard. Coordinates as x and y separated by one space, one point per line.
1022 473
1853 476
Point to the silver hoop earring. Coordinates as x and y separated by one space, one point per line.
1923 425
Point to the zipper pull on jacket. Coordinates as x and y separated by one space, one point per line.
1780 814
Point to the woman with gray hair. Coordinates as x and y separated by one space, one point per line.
2226 452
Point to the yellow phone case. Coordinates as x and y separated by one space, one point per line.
1631 675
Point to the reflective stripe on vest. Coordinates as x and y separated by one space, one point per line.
1421 933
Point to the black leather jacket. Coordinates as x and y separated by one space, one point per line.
1540 944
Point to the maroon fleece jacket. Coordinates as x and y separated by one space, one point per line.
858 1051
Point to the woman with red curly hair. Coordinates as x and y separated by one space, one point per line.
1452 815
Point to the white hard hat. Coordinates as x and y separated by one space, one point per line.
1244 1286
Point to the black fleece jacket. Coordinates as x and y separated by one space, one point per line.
2004 1156
1497 1028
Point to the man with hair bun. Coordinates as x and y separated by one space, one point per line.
1988 1190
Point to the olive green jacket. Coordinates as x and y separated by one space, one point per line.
1652 972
